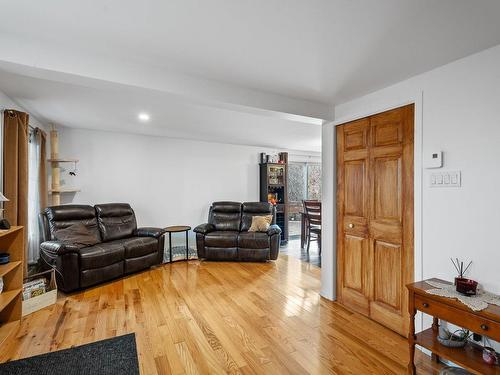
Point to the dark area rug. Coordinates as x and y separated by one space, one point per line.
107 357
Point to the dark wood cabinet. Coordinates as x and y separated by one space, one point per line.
274 189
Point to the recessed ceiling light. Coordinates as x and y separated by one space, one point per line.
143 117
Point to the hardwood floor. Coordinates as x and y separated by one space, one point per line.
292 248
216 318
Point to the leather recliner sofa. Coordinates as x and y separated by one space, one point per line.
121 247
226 235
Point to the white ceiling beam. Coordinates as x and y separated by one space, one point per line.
48 62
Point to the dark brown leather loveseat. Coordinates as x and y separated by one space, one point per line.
226 235
121 247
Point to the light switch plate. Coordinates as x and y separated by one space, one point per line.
445 179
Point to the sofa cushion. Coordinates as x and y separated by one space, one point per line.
251 209
139 246
253 240
116 220
101 255
221 239
64 216
225 215
78 235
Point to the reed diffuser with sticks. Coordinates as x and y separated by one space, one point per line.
464 285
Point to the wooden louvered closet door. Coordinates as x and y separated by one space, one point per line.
375 215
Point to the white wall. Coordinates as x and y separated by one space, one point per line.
328 199
459 113
167 181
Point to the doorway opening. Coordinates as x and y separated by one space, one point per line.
304 183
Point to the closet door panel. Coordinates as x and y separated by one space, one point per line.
375 215
391 219
353 191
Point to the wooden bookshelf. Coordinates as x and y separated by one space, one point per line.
12 242
6 268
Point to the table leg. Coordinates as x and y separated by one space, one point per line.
435 328
187 246
411 335
170 245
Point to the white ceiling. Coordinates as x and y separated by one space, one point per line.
206 62
116 107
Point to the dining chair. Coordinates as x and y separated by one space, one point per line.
312 209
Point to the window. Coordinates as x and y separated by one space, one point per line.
33 198
304 182
297 173
314 181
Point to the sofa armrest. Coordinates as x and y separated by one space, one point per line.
149 232
273 229
204 228
58 248
274 233
65 260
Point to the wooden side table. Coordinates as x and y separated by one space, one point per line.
177 229
485 322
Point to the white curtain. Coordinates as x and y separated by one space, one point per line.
34 203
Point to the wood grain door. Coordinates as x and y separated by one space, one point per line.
375 215
353 221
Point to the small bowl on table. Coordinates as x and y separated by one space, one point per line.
467 287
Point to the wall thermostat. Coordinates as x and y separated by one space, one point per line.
434 159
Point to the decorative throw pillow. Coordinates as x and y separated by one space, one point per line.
260 223
78 235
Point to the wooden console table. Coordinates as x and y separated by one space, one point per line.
485 322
